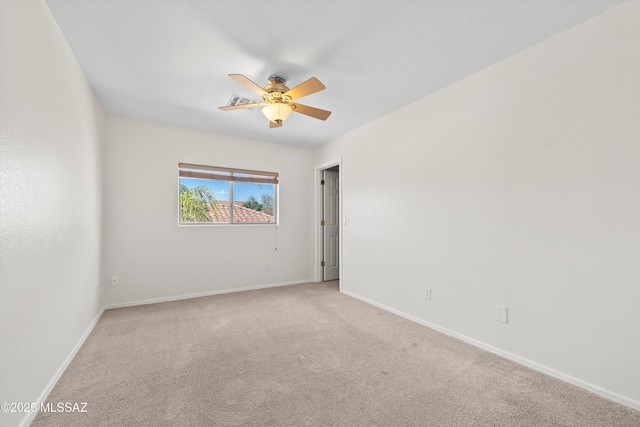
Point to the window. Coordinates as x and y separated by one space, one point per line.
215 195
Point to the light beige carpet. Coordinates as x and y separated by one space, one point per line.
303 355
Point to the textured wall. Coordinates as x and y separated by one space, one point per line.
50 203
517 186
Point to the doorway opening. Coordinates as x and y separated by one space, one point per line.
329 223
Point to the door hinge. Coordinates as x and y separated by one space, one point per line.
322 264
322 223
322 182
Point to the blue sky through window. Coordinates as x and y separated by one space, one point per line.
241 190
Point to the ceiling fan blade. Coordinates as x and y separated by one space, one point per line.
311 111
305 88
248 83
274 125
240 107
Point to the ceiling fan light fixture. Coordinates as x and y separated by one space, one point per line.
278 99
277 112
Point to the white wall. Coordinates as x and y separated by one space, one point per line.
155 258
517 186
50 195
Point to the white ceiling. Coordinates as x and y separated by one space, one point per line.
167 61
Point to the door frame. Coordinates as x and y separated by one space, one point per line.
317 176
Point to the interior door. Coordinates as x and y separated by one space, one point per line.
331 228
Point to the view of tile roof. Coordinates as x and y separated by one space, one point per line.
240 213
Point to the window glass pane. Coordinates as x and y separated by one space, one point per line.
254 202
217 195
204 200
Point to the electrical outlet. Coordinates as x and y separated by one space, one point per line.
115 280
427 294
501 314
267 267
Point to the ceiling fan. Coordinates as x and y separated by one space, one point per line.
278 99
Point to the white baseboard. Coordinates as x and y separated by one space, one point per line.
204 294
513 357
45 393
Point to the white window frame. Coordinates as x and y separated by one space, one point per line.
230 175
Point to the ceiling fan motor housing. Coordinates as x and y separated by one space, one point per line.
277 85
